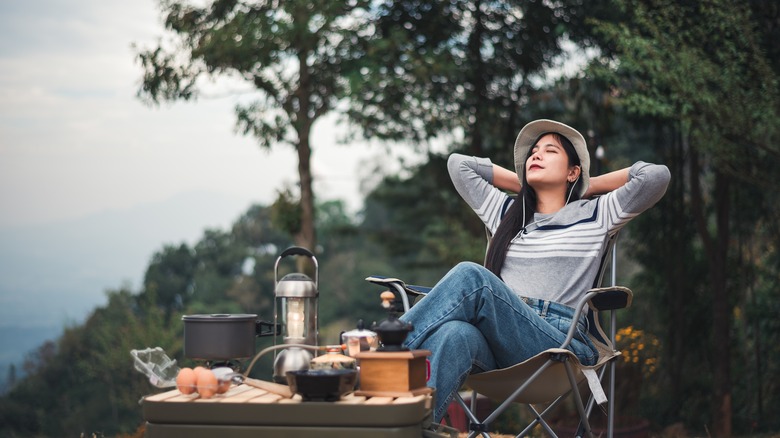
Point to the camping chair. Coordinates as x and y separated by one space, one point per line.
552 375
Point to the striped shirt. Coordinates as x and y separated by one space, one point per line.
557 256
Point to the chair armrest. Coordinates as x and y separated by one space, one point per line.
602 298
610 298
400 289
410 289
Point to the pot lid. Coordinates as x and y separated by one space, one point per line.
220 317
360 332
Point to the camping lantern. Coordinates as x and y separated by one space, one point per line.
295 304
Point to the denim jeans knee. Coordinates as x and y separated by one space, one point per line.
512 330
457 350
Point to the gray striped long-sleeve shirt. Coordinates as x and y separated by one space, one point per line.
557 257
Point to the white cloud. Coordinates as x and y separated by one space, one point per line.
74 139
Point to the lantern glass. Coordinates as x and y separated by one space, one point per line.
299 319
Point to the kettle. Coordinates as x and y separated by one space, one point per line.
359 340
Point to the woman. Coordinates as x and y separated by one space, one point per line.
544 255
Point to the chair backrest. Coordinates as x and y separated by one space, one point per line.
611 242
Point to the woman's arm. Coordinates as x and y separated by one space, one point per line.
473 179
606 183
505 179
627 193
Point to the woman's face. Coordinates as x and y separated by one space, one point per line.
548 166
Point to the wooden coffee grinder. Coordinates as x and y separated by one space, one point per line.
393 370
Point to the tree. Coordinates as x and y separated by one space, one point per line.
702 68
437 68
465 65
170 276
422 223
294 53
84 382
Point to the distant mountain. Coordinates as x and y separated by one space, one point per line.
53 275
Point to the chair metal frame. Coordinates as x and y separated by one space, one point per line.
611 298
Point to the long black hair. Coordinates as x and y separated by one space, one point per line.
513 222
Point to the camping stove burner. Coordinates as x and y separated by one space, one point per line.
234 365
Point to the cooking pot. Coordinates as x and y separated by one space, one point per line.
221 337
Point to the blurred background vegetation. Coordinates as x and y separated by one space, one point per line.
693 85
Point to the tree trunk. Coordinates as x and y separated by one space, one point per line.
721 322
477 79
717 251
306 236
677 292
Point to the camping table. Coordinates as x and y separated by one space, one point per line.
245 411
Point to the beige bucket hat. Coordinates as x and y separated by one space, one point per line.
531 132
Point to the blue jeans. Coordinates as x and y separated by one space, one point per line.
471 321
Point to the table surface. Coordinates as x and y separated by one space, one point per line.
246 405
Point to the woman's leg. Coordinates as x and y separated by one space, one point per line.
470 293
457 350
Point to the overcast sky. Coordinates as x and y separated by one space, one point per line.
84 163
75 140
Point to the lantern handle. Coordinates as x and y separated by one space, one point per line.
297 250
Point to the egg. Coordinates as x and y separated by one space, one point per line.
224 386
186 381
207 384
199 369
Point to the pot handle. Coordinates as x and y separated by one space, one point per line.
265 328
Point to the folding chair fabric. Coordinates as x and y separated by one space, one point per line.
552 383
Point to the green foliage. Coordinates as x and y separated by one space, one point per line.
85 382
293 53
286 212
700 70
296 56
347 258
435 67
170 276
423 223
701 63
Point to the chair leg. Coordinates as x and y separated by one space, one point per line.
509 400
475 426
539 418
592 401
578 399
